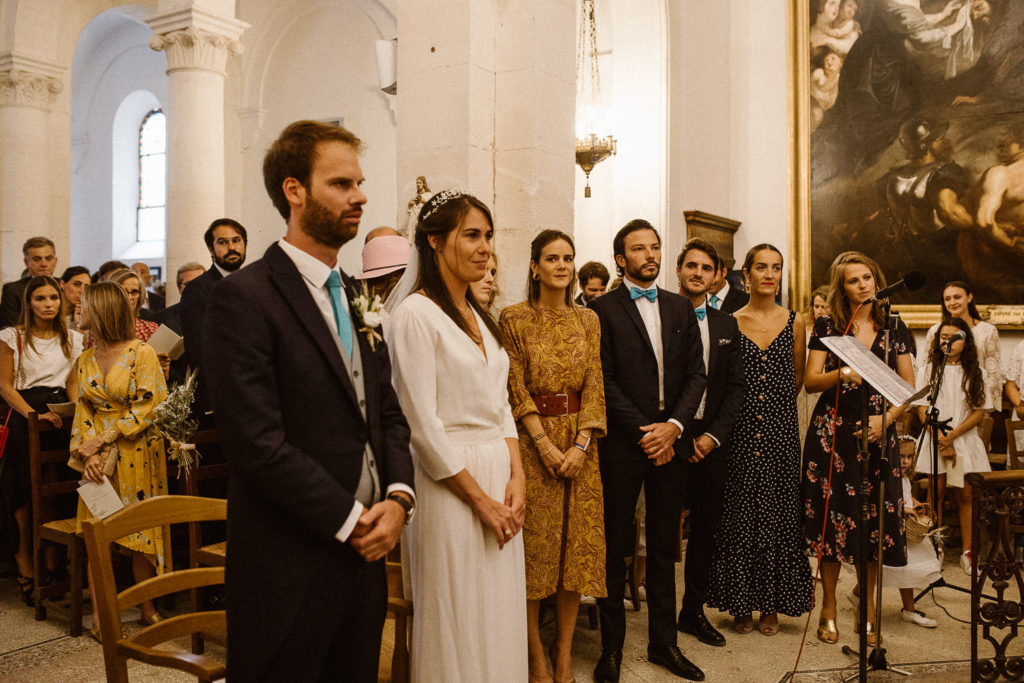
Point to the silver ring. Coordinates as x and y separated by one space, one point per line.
508 532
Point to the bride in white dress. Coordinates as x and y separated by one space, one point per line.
451 376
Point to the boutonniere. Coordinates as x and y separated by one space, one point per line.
370 313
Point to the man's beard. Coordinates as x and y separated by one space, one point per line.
230 266
635 274
323 226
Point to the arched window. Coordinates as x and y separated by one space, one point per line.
152 177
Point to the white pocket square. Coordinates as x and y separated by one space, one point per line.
724 341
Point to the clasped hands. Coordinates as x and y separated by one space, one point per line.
505 520
659 441
566 465
378 530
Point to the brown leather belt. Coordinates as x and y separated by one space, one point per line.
557 405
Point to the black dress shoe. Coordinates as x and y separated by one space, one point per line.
699 627
672 659
607 669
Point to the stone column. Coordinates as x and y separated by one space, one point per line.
197 44
27 91
486 103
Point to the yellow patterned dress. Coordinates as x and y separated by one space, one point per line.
124 400
553 352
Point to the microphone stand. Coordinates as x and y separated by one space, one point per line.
876 659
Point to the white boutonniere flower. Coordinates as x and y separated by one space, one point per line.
370 313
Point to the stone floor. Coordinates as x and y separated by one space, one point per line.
42 651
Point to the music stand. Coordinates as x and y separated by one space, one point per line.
874 373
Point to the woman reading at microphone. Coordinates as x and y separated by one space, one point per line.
832 514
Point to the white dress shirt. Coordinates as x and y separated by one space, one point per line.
315 274
650 313
720 296
705 340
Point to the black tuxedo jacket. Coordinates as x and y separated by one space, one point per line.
294 438
726 384
11 302
631 371
734 300
192 311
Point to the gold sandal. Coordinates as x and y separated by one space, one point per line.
828 632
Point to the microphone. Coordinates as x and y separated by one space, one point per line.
913 280
959 336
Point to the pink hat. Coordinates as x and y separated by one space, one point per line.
383 255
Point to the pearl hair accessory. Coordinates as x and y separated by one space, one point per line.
437 201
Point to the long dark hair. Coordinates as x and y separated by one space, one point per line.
441 216
28 321
973 382
972 310
543 239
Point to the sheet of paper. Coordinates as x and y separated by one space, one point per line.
101 499
62 409
871 368
167 341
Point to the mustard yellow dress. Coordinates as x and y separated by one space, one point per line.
124 400
553 352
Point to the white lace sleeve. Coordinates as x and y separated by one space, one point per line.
986 336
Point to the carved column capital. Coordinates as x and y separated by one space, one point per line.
193 48
28 83
195 38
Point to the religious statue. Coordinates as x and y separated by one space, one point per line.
423 193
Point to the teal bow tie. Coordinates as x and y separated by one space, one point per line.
635 293
701 312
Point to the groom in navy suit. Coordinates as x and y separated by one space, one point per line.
321 480
652 360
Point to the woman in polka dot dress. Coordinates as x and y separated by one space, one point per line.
759 563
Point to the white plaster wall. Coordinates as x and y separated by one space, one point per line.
633 48
321 64
112 61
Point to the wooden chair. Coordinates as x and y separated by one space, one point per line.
211 555
100 534
48 470
200 555
399 611
996 460
1015 458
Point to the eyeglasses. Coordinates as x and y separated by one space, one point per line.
224 242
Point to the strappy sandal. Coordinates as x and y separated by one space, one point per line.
27 586
768 629
743 624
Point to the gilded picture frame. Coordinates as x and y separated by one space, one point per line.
974 128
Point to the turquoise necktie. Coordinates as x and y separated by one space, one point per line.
635 293
340 314
715 302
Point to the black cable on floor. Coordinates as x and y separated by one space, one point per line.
937 604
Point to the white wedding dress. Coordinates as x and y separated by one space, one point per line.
469 597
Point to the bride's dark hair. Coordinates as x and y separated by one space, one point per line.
442 216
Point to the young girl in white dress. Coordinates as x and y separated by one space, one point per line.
962 399
451 376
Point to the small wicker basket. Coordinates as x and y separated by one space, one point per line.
918 526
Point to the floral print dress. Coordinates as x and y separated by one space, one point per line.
553 352
124 401
842 535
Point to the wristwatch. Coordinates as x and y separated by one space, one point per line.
410 508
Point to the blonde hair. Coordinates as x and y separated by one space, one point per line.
838 304
122 275
110 312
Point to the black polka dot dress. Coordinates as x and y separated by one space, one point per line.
759 562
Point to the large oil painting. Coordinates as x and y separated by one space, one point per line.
915 133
